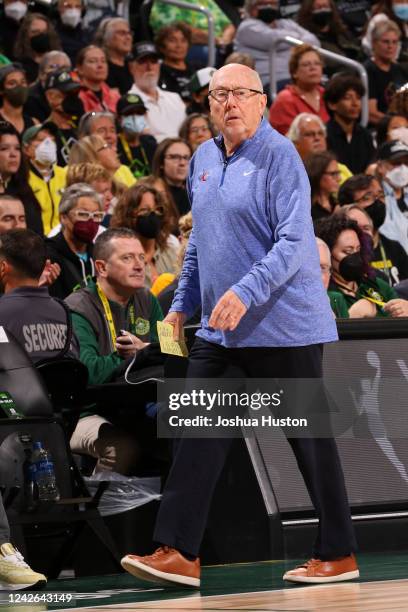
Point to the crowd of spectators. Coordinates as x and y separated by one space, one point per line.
98 124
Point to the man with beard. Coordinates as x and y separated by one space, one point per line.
61 92
166 109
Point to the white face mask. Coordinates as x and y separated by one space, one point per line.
71 17
398 177
400 134
134 124
46 152
15 10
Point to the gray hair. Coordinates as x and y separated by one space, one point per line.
108 28
85 125
382 28
323 244
72 194
49 57
294 131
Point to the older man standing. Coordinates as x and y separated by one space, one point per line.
261 296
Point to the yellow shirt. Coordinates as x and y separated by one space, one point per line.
48 194
125 176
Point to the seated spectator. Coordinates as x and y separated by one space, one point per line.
117 301
80 215
170 163
196 129
199 87
399 102
68 24
353 280
257 33
102 123
350 141
61 92
95 150
37 105
166 110
143 210
14 94
306 93
46 178
35 38
385 76
308 134
354 14
325 264
396 11
136 149
158 183
92 67
392 127
116 40
172 42
38 322
12 14
14 175
392 171
12 214
322 18
324 176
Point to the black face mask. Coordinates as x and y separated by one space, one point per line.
17 96
268 14
377 212
322 18
351 267
41 43
148 226
72 106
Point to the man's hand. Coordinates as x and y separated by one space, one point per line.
228 312
50 274
397 307
128 344
177 320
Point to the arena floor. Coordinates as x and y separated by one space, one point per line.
383 587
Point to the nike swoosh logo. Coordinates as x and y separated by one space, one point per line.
248 172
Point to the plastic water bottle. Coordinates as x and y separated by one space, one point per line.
44 474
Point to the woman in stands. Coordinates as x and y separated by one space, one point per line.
143 209
170 163
305 95
92 68
324 176
36 37
14 94
196 129
95 150
173 42
355 290
14 175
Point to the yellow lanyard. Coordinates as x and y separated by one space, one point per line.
108 315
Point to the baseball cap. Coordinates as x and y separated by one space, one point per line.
61 80
32 132
201 79
144 49
392 150
130 103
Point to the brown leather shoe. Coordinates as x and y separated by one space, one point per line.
165 566
316 571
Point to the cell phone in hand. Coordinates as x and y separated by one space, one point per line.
124 338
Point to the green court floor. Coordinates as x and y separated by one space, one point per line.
216 580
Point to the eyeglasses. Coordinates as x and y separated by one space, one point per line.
310 64
145 212
177 158
240 94
85 215
333 174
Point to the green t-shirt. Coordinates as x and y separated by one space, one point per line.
163 14
375 288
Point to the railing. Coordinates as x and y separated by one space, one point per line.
210 21
340 59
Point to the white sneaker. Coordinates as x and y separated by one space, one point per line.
15 574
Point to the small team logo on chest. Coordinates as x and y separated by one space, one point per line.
204 175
